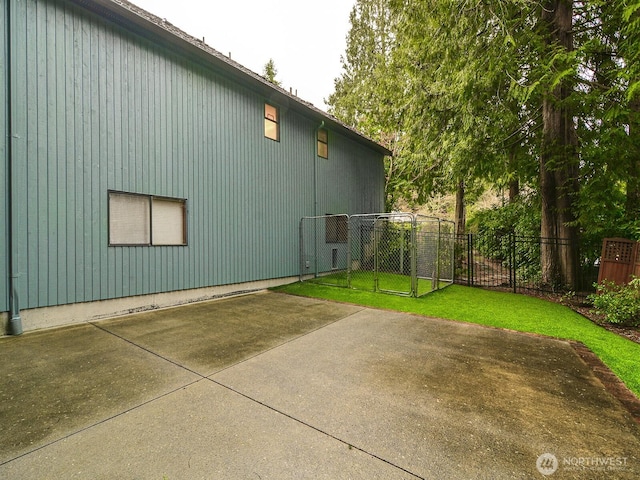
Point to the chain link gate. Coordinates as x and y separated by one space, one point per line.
435 255
394 254
362 251
398 253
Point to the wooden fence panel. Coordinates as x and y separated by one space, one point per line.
619 260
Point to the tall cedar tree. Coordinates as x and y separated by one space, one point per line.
364 94
558 154
503 93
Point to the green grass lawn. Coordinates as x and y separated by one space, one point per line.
502 310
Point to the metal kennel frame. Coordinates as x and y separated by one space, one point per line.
397 253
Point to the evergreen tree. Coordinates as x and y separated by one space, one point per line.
365 94
269 72
505 93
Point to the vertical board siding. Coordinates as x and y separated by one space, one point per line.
100 109
4 166
349 181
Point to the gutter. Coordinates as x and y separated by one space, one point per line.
15 321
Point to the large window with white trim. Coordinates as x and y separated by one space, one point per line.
136 219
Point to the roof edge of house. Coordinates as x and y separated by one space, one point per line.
157 29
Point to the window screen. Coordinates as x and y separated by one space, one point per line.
336 229
129 220
168 222
146 220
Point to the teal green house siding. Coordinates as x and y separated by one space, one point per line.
102 103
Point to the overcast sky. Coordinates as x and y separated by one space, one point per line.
305 38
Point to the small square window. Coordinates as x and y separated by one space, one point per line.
336 229
271 122
323 143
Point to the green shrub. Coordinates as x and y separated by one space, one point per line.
498 228
520 218
620 304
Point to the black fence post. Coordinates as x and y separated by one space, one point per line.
521 257
470 272
512 274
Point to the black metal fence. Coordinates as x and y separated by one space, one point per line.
513 263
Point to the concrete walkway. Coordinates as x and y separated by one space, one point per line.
270 386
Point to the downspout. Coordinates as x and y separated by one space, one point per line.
15 322
315 195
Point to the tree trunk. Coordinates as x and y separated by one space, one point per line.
514 183
632 207
514 190
461 217
558 160
548 223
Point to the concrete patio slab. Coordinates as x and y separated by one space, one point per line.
443 399
274 386
203 431
56 382
209 336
